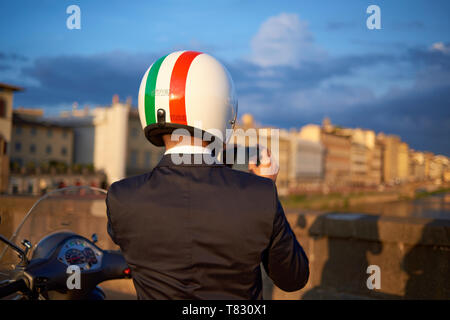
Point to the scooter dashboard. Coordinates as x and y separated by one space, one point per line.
78 251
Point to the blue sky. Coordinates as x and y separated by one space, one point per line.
293 62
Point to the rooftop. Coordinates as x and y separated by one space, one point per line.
26 119
5 86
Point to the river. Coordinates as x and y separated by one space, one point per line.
431 207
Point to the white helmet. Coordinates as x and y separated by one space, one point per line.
187 89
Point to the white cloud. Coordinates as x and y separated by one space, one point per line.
440 46
284 40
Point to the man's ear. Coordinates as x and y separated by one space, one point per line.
171 141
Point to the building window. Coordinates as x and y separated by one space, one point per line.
18 161
134 132
5 147
48 149
63 151
148 158
30 187
2 108
133 158
49 133
18 146
33 131
64 134
32 148
18 130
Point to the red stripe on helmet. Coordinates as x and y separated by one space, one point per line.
178 78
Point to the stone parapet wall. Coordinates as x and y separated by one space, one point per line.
413 255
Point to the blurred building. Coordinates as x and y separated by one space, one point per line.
311 132
359 169
337 159
396 159
246 122
6 107
285 159
403 162
438 167
373 156
40 183
446 175
391 145
365 154
428 159
142 155
111 138
109 143
417 166
307 159
36 141
376 164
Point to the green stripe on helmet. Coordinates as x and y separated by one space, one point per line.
150 113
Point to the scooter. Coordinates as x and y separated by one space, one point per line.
56 258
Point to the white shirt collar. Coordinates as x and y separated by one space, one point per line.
187 149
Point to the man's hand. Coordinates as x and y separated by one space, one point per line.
268 167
